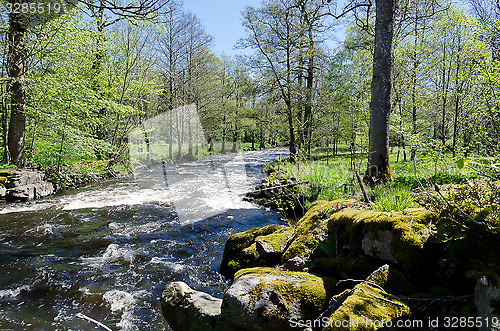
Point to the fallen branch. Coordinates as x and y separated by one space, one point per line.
363 189
80 315
256 192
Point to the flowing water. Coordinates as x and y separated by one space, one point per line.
107 251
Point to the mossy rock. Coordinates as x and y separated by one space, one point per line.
391 280
283 197
313 228
268 298
365 308
240 249
272 246
394 236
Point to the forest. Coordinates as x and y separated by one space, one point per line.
75 83
345 166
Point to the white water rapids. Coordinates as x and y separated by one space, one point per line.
108 250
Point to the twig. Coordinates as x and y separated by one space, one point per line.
381 298
363 189
274 187
361 282
80 315
445 298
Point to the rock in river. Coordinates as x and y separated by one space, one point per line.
262 299
188 310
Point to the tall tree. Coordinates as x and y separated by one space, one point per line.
380 105
271 32
17 28
16 72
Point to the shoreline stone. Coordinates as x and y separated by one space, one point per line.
24 185
185 309
268 299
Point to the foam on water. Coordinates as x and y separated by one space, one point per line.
108 251
98 199
124 303
113 254
12 293
119 300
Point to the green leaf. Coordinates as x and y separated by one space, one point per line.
461 163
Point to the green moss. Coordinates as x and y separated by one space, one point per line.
410 230
290 288
390 280
238 252
251 253
364 304
277 240
312 228
235 265
256 293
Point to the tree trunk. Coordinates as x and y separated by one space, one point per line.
5 126
458 86
378 169
223 148
97 67
262 138
16 71
171 135
308 105
293 149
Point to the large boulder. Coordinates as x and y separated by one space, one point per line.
23 178
24 185
30 191
272 246
262 299
188 310
397 237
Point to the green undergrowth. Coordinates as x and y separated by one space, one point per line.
332 177
79 173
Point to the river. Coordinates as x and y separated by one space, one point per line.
107 251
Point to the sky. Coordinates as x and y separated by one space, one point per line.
222 20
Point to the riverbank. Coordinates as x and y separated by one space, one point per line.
433 258
31 184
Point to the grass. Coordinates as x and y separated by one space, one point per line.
393 197
331 177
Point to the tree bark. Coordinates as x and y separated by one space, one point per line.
378 169
16 71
